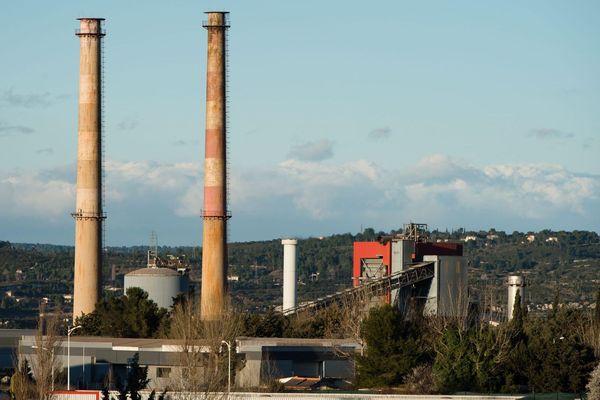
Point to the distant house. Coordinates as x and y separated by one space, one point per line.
552 239
530 238
469 239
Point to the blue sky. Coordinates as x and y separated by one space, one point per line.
343 114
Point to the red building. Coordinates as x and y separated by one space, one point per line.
390 255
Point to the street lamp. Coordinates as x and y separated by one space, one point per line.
223 342
69 331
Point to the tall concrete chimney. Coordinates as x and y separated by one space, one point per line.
214 214
88 210
289 274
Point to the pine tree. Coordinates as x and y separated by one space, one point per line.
518 317
137 378
453 368
393 348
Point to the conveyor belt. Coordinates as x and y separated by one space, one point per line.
416 273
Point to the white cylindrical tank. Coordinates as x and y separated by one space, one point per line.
516 283
161 284
289 273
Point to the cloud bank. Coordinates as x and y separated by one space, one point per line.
300 197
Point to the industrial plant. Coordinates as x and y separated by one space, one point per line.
434 274
405 271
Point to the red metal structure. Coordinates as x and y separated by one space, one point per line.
373 260
366 254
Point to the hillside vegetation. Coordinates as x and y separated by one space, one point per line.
567 263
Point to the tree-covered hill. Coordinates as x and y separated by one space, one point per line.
567 262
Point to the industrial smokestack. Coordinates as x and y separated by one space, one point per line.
289 274
88 210
515 285
214 214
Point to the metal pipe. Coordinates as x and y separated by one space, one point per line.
214 214
69 331
88 211
224 342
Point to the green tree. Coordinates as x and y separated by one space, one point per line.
453 368
518 317
270 324
515 374
393 348
137 378
489 347
133 315
121 389
558 359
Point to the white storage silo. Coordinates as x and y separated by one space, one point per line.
161 284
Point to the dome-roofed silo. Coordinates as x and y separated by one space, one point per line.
162 284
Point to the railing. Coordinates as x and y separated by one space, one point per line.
100 32
207 24
88 215
208 215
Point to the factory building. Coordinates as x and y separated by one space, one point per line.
269 358
444 294
259 360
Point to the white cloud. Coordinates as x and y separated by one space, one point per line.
313 196
33 195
